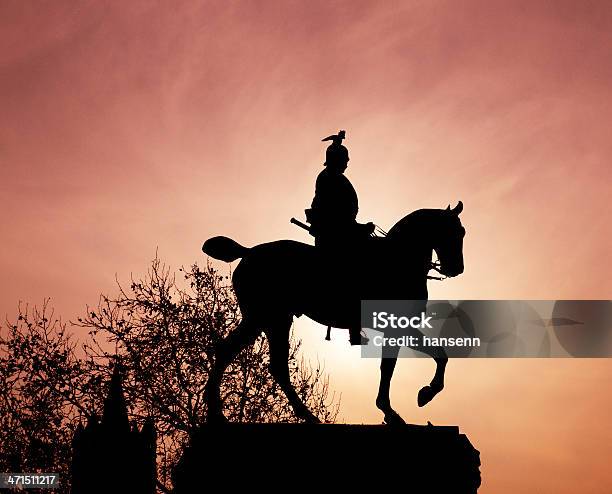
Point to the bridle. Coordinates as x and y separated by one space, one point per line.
435 265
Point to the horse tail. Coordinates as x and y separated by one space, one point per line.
224 249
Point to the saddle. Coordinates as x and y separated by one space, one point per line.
346 250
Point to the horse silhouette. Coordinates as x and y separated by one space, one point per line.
279 280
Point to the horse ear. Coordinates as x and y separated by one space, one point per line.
448 207
458 208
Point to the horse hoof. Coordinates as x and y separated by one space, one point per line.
426 394
311 419
217 418
393 418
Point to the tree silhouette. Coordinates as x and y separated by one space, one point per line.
162 333
45 390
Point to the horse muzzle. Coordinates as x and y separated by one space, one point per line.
452 272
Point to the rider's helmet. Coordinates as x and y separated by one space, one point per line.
336 153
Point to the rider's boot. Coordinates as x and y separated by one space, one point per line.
356 338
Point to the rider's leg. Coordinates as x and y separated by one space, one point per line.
355 336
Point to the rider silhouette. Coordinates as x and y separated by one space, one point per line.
333 212
332 215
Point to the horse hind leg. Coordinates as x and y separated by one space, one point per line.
383 400
225 352
278 341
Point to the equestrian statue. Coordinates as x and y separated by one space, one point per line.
277 281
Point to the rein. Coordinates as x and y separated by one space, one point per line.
379 232
435 265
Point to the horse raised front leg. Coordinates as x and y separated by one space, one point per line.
225 352
427 393
383 401
278 341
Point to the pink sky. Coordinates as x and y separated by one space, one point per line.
131 126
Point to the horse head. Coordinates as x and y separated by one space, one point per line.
448 241
427 230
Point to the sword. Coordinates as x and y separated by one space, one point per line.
300 224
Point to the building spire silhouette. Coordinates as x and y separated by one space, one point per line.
115 415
